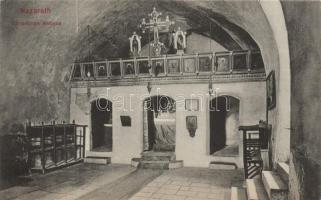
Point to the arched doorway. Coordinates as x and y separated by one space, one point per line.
159 123
101 125
224 122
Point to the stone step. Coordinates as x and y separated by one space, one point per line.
98 154
135 162
238 193
161 164
274 186
158 156
222 165
147 164
255 189
283 170
158 153
176 164
97 160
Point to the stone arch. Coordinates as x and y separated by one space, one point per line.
281 115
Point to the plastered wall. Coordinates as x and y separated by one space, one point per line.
128 141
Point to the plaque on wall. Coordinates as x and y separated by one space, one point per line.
191 104
126 121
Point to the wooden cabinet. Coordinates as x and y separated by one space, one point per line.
55 145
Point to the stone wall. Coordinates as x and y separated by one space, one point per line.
195 43
303 20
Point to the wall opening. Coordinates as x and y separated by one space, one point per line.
101 125
159 123
224 122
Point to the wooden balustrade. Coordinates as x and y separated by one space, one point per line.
255 146
170 65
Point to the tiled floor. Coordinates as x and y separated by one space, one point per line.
122 182
68 183
191 184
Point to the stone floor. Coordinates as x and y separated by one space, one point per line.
191 184
122 182
230 150
68 183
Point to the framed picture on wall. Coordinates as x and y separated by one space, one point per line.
189 65
222 63
173 66
191 104
205 64
191 125
270 91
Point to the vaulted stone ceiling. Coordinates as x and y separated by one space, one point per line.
110 29
112 22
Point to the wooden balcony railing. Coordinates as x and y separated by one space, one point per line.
170 65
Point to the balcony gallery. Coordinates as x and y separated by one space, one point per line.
222 66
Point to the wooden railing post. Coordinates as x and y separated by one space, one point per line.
54 142
122 73
181 64
165 65
94 69
74 139
231 61
82 71
84 140
42 149
245 154
213 59
248 60
197 63
72 72
135 67
108 69
64 139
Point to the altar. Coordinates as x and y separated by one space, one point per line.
165 132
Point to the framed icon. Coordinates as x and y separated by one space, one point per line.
270 91
191 125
